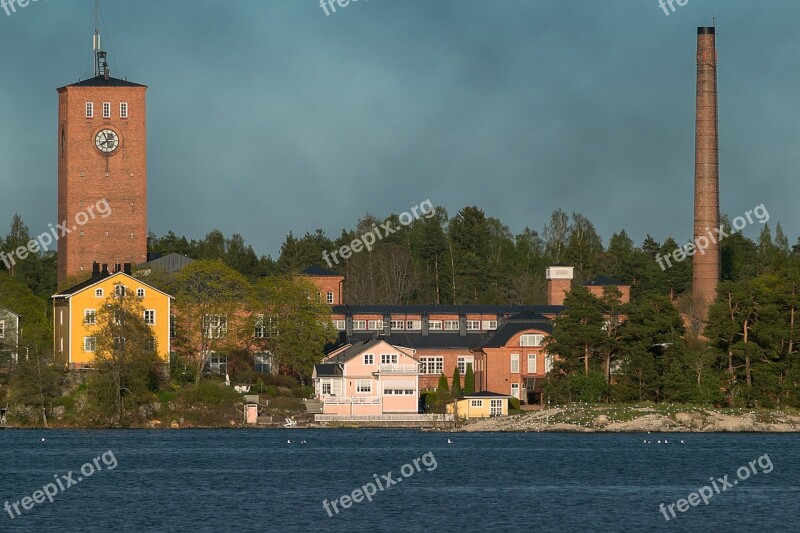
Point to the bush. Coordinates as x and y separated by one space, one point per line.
303 392
209 393
513 403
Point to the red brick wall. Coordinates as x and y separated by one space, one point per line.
82 180
326 284
557 289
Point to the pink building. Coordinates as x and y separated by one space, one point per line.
368 378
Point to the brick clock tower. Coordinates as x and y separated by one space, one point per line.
102 155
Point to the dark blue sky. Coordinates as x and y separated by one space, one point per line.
267 116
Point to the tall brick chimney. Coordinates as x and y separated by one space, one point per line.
706 267
559 281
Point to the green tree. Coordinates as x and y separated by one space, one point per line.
456 390
126 357
211 300
443 389
291 324
469 380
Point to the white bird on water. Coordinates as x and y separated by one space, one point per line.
288 442
449 441
42 439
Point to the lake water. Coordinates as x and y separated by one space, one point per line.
253 480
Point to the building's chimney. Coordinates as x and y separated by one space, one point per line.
95 270
705 267
559 281
105 269
127 268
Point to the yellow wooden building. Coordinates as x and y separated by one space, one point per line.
480 405
75 311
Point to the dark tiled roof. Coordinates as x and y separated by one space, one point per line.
88 283
445 309
318 271
517 324
603 281
436 340
486 394
169 263
101 81
328 370
357 347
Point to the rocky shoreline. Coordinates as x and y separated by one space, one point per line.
641 420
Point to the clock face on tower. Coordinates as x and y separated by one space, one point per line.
106 140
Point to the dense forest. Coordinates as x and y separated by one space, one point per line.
748 355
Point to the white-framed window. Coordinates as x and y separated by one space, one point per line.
369 359
363 386
90 316
431 365
548 363
435 325
262 362
123 110
106 109
216 326
89 110
98 293
329 298
414 325
140 293
150 317
89 344
150 343
451 325
476 403
397 392
515 390
327 386
119 290
217 363
341 325
495 407
397 324
359 325
388 358
2 328
531 363
473 325
375 325
489 325
260 329
515 363
531 340
463 361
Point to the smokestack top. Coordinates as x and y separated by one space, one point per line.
706 30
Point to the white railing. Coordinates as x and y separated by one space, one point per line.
338 400
398 369
384 418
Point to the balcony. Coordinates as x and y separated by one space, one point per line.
398 369
356 400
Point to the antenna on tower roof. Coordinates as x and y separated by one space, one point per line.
100 63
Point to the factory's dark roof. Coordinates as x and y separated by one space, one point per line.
328 370
603 281
517 324
88 283
318 271
101 81
169 263
445 309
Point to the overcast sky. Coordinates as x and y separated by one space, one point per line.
268 116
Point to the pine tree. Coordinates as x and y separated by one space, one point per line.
456 383
442 390
469 380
